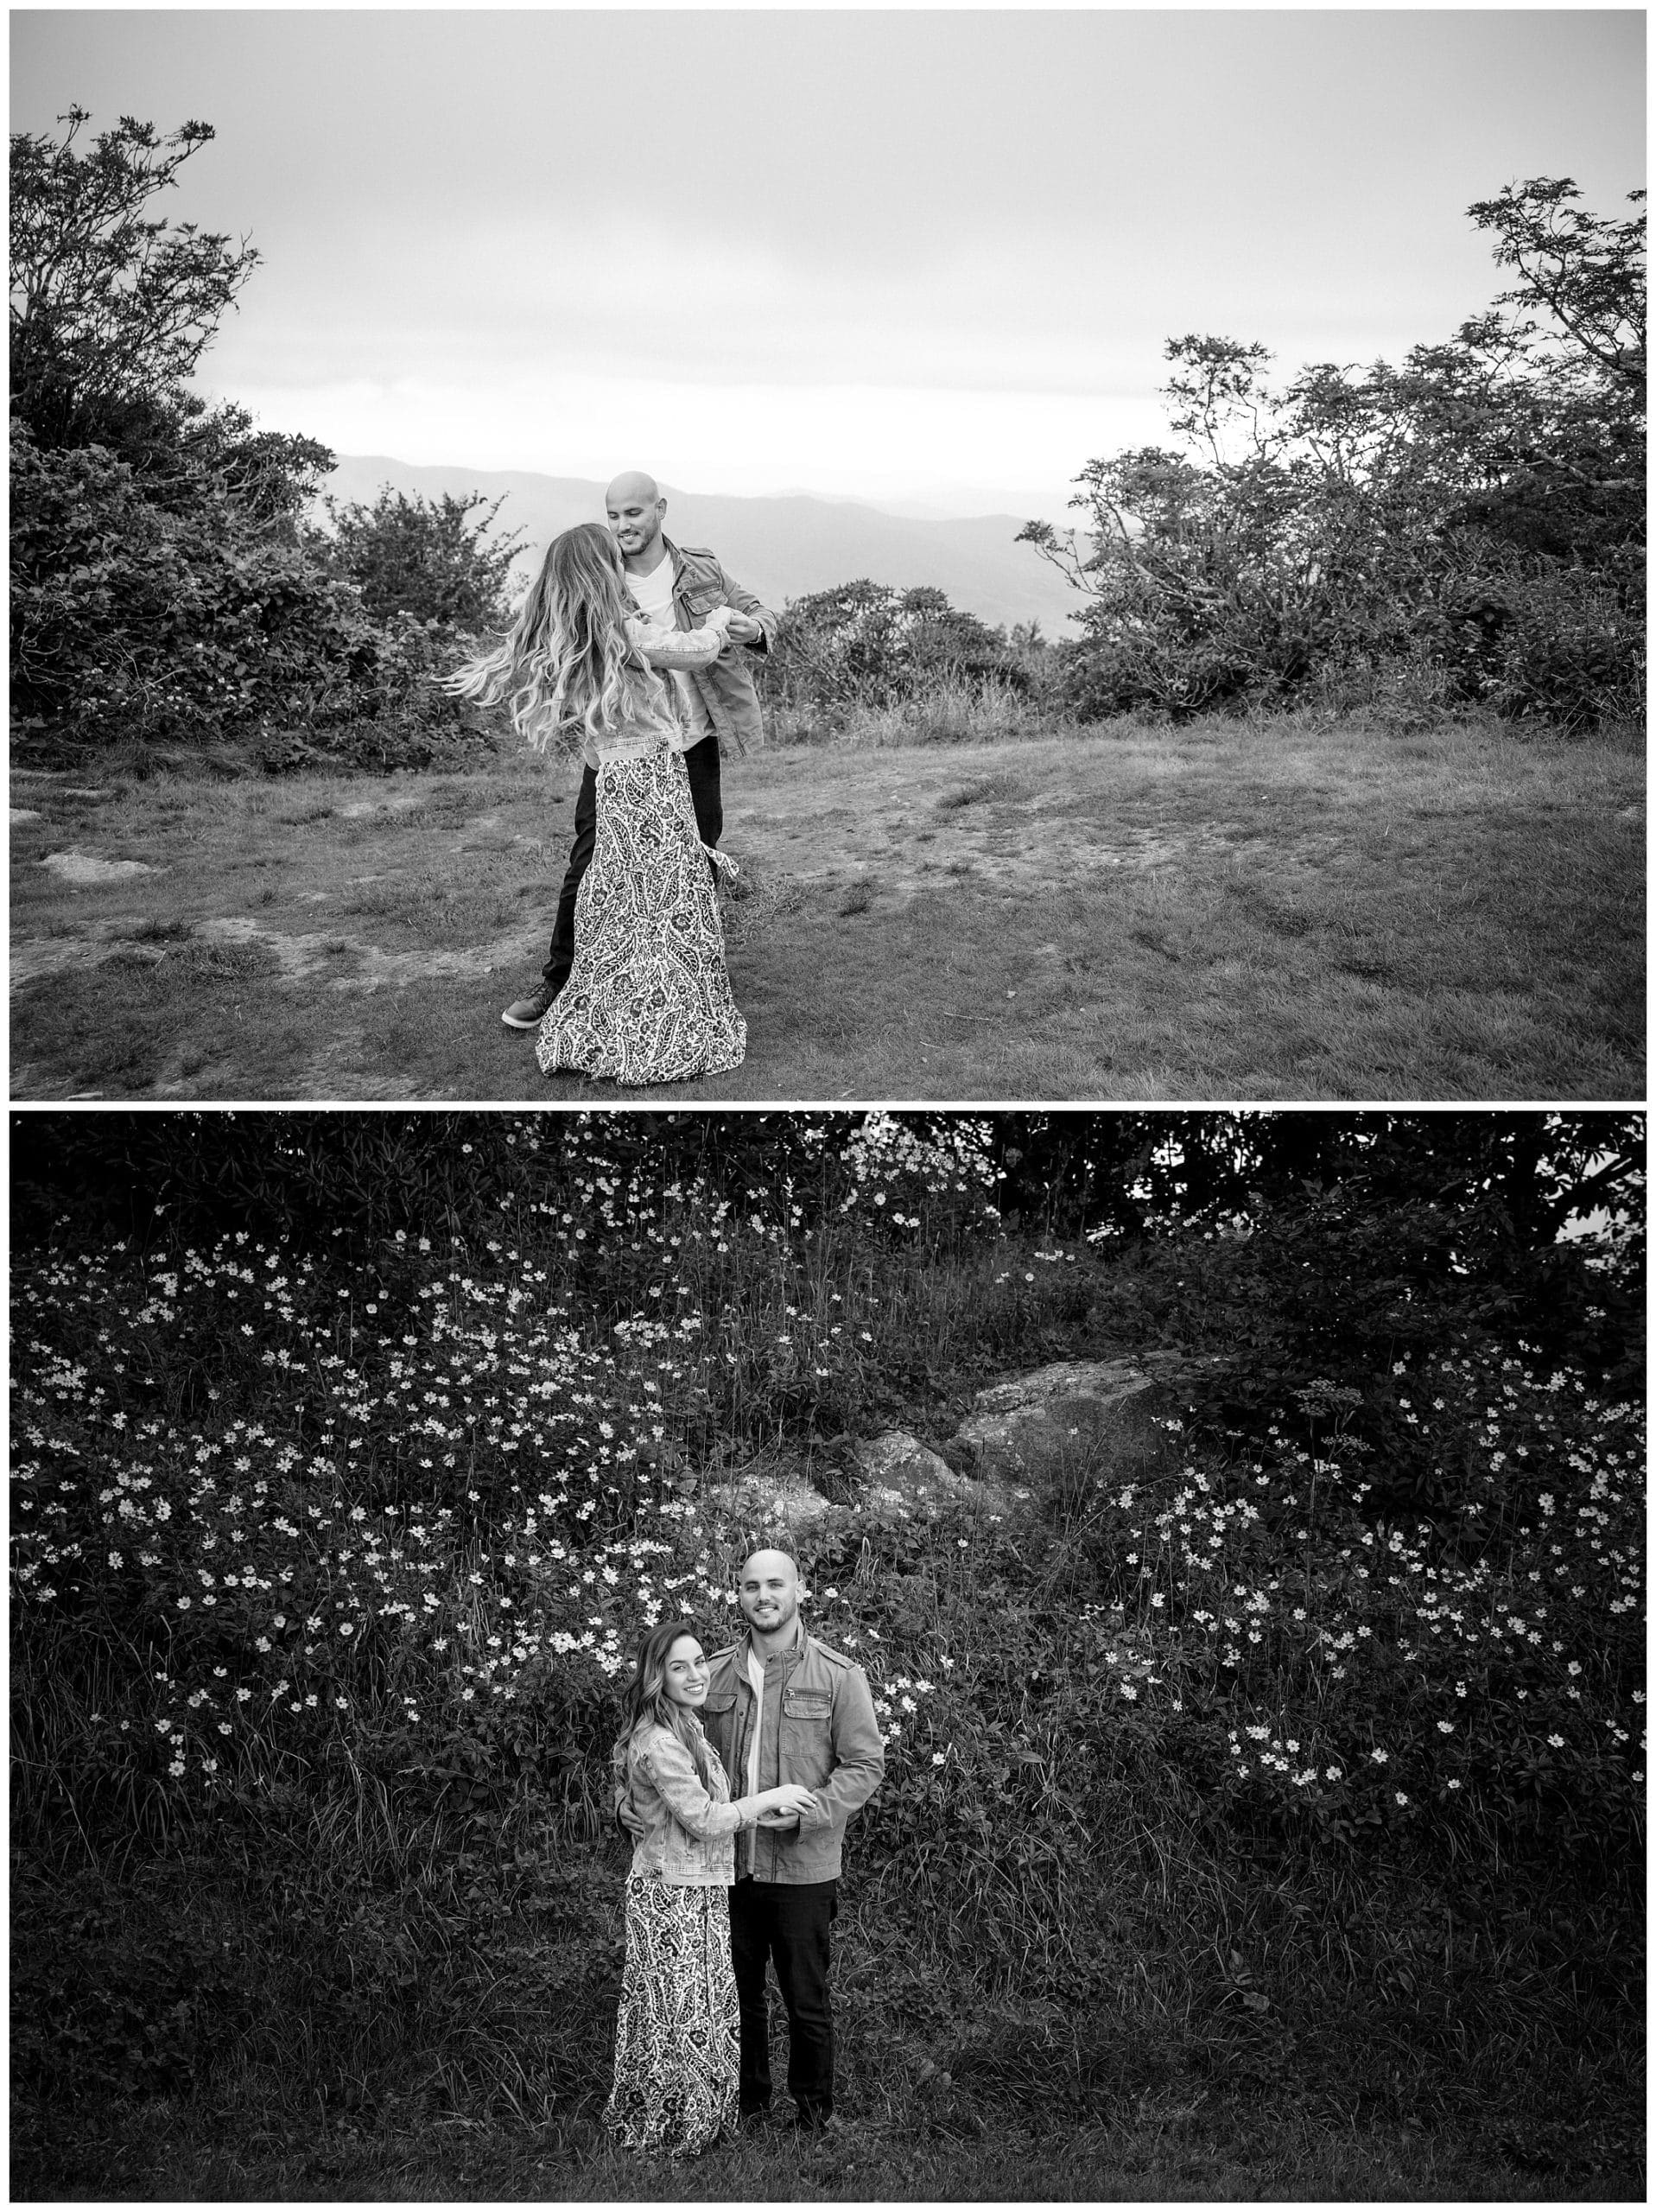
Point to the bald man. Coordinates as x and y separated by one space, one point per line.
783 1706
677 586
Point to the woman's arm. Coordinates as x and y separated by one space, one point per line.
670 1767
680 648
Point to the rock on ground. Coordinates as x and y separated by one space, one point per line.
901 1470
85 867
1087 1421
1033 1429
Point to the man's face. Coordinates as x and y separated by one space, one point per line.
636 522
768 1591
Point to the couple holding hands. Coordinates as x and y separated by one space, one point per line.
631 651
723 1885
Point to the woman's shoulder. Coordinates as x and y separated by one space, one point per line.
651 1738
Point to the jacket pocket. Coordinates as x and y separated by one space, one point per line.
719 1725
804 1736
702 599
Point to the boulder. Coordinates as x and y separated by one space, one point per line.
899 1469
777 1494
1032 1429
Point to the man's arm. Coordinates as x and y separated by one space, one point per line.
858 1755
743 600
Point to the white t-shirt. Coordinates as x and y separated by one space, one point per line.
755 1677
652 594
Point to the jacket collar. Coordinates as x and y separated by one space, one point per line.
794 1651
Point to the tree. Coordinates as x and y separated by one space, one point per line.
874 644
110 309
1586 273
1480 508
421 557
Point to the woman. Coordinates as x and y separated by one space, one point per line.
648 998
677 2038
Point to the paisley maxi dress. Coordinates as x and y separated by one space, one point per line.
648 997
677 2029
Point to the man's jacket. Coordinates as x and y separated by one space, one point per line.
726 689
817 1728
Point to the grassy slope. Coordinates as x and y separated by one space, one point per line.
1230 910
1479 2073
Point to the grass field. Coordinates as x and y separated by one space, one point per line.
1264 910
1250 2139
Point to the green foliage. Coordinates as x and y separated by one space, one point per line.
419 557
175 619
110 309
163 589
1479 509
863 645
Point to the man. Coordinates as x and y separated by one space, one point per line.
677 586
783 1707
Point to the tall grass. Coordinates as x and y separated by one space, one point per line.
948 710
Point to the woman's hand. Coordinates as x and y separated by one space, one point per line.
790 1799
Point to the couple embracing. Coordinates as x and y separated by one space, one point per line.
722 1884
631 651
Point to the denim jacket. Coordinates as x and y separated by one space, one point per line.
725 689
688 1836
817 1727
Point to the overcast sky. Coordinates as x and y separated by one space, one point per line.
917 257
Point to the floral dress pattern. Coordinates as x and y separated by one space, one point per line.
648 997
678 2032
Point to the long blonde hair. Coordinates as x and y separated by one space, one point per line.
567 669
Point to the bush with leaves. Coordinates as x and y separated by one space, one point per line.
192 617
1479 509
163 586
864 644
423 559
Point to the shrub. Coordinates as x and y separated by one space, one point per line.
162 586
420 559
1481 506
865 646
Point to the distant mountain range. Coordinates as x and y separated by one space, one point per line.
780 548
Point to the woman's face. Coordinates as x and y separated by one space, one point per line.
687 1673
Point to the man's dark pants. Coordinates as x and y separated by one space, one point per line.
789 1922
702 765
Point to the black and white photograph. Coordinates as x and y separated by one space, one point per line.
1080 1657
754 556
826 1158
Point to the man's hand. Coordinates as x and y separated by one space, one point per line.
744 630
777 1821
628 1819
